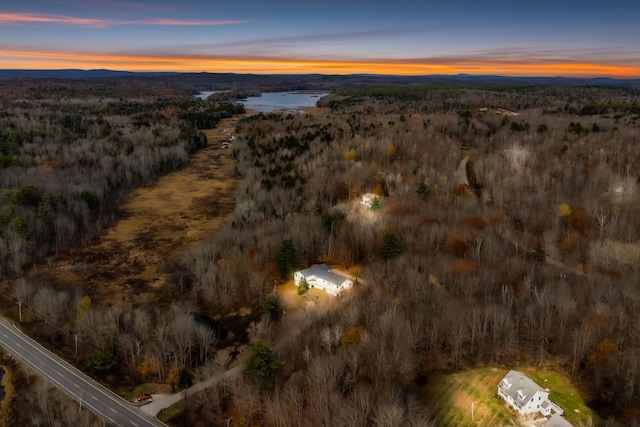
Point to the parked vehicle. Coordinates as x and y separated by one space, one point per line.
141 400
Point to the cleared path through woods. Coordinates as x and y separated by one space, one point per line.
156 225
161 401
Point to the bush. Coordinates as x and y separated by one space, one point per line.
353 335
101 363
303 287
272 306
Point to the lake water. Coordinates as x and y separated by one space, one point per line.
205 95
288 102
269 102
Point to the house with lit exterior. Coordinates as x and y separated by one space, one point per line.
367 199
320 277
525 396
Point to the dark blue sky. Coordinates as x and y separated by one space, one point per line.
547 37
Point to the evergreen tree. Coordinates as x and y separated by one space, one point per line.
304 286
375 204
287 258
423 191
390 245
184 379
273 306
262 365
101 363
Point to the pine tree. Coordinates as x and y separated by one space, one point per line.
390 245
423 191
262 365
375 204
287 258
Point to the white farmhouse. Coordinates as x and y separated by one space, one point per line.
367 199
525 396
320 277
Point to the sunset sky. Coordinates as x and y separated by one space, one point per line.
585 38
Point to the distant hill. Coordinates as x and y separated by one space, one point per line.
213 81
557 80
73 74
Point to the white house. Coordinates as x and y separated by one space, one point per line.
525 396
368 198
320 277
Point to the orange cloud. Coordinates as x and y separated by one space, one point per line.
56 60
18 18
24 18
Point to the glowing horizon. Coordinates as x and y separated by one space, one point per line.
550 38
55 61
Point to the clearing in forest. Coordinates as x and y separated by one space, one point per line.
314 298
470 398
157 224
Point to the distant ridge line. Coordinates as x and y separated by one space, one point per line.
74 73
367 77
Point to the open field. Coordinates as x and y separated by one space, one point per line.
155 225
450 397
564 394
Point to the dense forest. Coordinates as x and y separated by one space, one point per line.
505 232
67 160
515 235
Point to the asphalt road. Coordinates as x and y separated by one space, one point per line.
89 394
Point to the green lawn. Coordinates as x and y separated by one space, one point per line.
564 394
167 414
450 397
